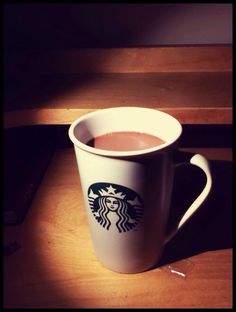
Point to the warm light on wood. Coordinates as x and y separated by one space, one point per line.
56 265
193 84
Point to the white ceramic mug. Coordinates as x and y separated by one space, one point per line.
131 238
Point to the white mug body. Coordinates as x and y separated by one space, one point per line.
126 194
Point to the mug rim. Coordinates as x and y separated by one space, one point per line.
112 153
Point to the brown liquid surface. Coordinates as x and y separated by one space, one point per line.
125 141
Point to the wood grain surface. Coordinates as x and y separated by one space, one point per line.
193 98
205 58
55 265
193 83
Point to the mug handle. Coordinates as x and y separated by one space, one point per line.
201 162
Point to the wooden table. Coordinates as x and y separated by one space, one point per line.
55 265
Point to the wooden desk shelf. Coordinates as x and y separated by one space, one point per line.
192 84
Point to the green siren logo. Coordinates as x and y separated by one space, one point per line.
115 206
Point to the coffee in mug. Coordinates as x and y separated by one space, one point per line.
125 141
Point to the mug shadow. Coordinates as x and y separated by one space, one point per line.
210 228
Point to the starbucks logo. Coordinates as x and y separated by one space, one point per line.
115 207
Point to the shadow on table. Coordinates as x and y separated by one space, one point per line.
211 226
